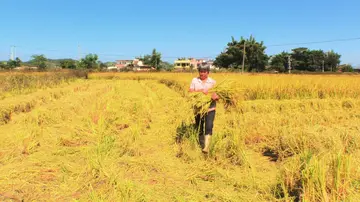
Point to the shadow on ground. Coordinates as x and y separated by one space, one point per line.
186 132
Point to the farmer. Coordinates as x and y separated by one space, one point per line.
202 84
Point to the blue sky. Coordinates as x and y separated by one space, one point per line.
197 28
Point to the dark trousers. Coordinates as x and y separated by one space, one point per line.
207 121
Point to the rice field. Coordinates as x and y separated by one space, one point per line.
130 137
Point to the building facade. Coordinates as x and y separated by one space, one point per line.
135 65
120 64
192 63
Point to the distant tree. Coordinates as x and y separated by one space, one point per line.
300 58
14 63
279 62
166 66
3 65
332 60
232 57
89 62
68 64
153 60
316 60
39 61
102 65
307 60
18 61
146 59
228 60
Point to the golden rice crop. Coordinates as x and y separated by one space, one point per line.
26 82
263 86
130 137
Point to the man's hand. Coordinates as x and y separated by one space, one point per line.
205 91
214 96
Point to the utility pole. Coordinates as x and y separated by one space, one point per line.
289 63
323 68
79 52
11 52
243 60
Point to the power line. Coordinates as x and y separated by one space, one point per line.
314 42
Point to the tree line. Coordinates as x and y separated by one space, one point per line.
244 53
90 62
250 55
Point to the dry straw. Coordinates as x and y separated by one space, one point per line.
227 91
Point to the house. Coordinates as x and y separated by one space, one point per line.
120 64
23 68
137 62
200 61
112 68
135 65
139 66
143 68
192 63
211 65
185 64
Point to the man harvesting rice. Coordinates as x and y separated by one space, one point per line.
202 84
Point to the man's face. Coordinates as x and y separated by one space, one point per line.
203 74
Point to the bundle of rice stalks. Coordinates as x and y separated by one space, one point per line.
227 91
200 102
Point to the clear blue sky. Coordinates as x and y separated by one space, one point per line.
124 29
